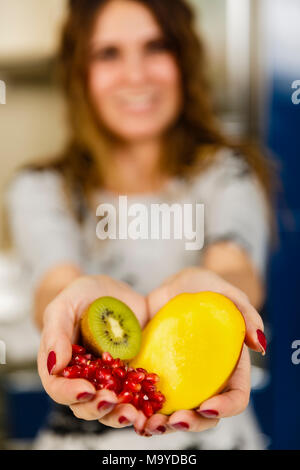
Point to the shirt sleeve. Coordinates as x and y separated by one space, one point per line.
236 208
43 230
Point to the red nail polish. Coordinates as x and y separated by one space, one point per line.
123 420
161 429
262 340
105 404
208 413
140 433
181 426
51 361
85 396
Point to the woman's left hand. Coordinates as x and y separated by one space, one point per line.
234 399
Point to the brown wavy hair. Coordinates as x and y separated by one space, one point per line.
191 143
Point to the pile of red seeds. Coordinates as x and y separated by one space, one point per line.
135 386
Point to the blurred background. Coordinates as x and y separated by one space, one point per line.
253 51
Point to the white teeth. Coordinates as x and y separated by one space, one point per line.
137 100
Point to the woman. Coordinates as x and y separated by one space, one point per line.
142 126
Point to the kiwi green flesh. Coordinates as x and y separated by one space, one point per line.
112 327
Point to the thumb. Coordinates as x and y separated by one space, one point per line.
57 352
58 334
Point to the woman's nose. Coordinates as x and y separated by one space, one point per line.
135 69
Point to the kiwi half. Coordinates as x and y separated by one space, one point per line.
109 325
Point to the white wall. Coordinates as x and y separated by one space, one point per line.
29 28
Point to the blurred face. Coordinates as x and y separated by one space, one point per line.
134 81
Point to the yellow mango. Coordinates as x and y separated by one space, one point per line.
194 344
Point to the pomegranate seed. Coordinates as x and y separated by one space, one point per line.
136 400
156 406
152 378
133 386
76 349
119 372
72 372
117 363
125 397
144 397
148 387
157 396
103 374
147 409
80 360
112 384
140 369
107 358
89 372
136 376
85 372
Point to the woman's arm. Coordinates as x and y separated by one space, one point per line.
45 234
234 265
52 283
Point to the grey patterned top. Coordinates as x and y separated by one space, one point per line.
46 233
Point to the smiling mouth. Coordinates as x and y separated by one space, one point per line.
138 102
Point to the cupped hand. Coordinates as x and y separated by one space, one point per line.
61 330
234 399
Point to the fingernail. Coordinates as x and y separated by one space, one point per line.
85 396
140 433
123 420
161 429
208 413
262 341
51 361
103 405
181 426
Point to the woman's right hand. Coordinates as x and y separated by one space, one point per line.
61 329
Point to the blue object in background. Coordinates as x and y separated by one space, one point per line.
278 405
284 279
26 405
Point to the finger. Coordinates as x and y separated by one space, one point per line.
188 420
158 424
236 398
255 337
60 330
103 403
139 425
122 415
157 299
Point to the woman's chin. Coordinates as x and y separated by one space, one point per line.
139 133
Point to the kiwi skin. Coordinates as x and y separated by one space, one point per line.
90 341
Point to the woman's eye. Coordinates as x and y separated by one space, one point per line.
107 54
158 46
